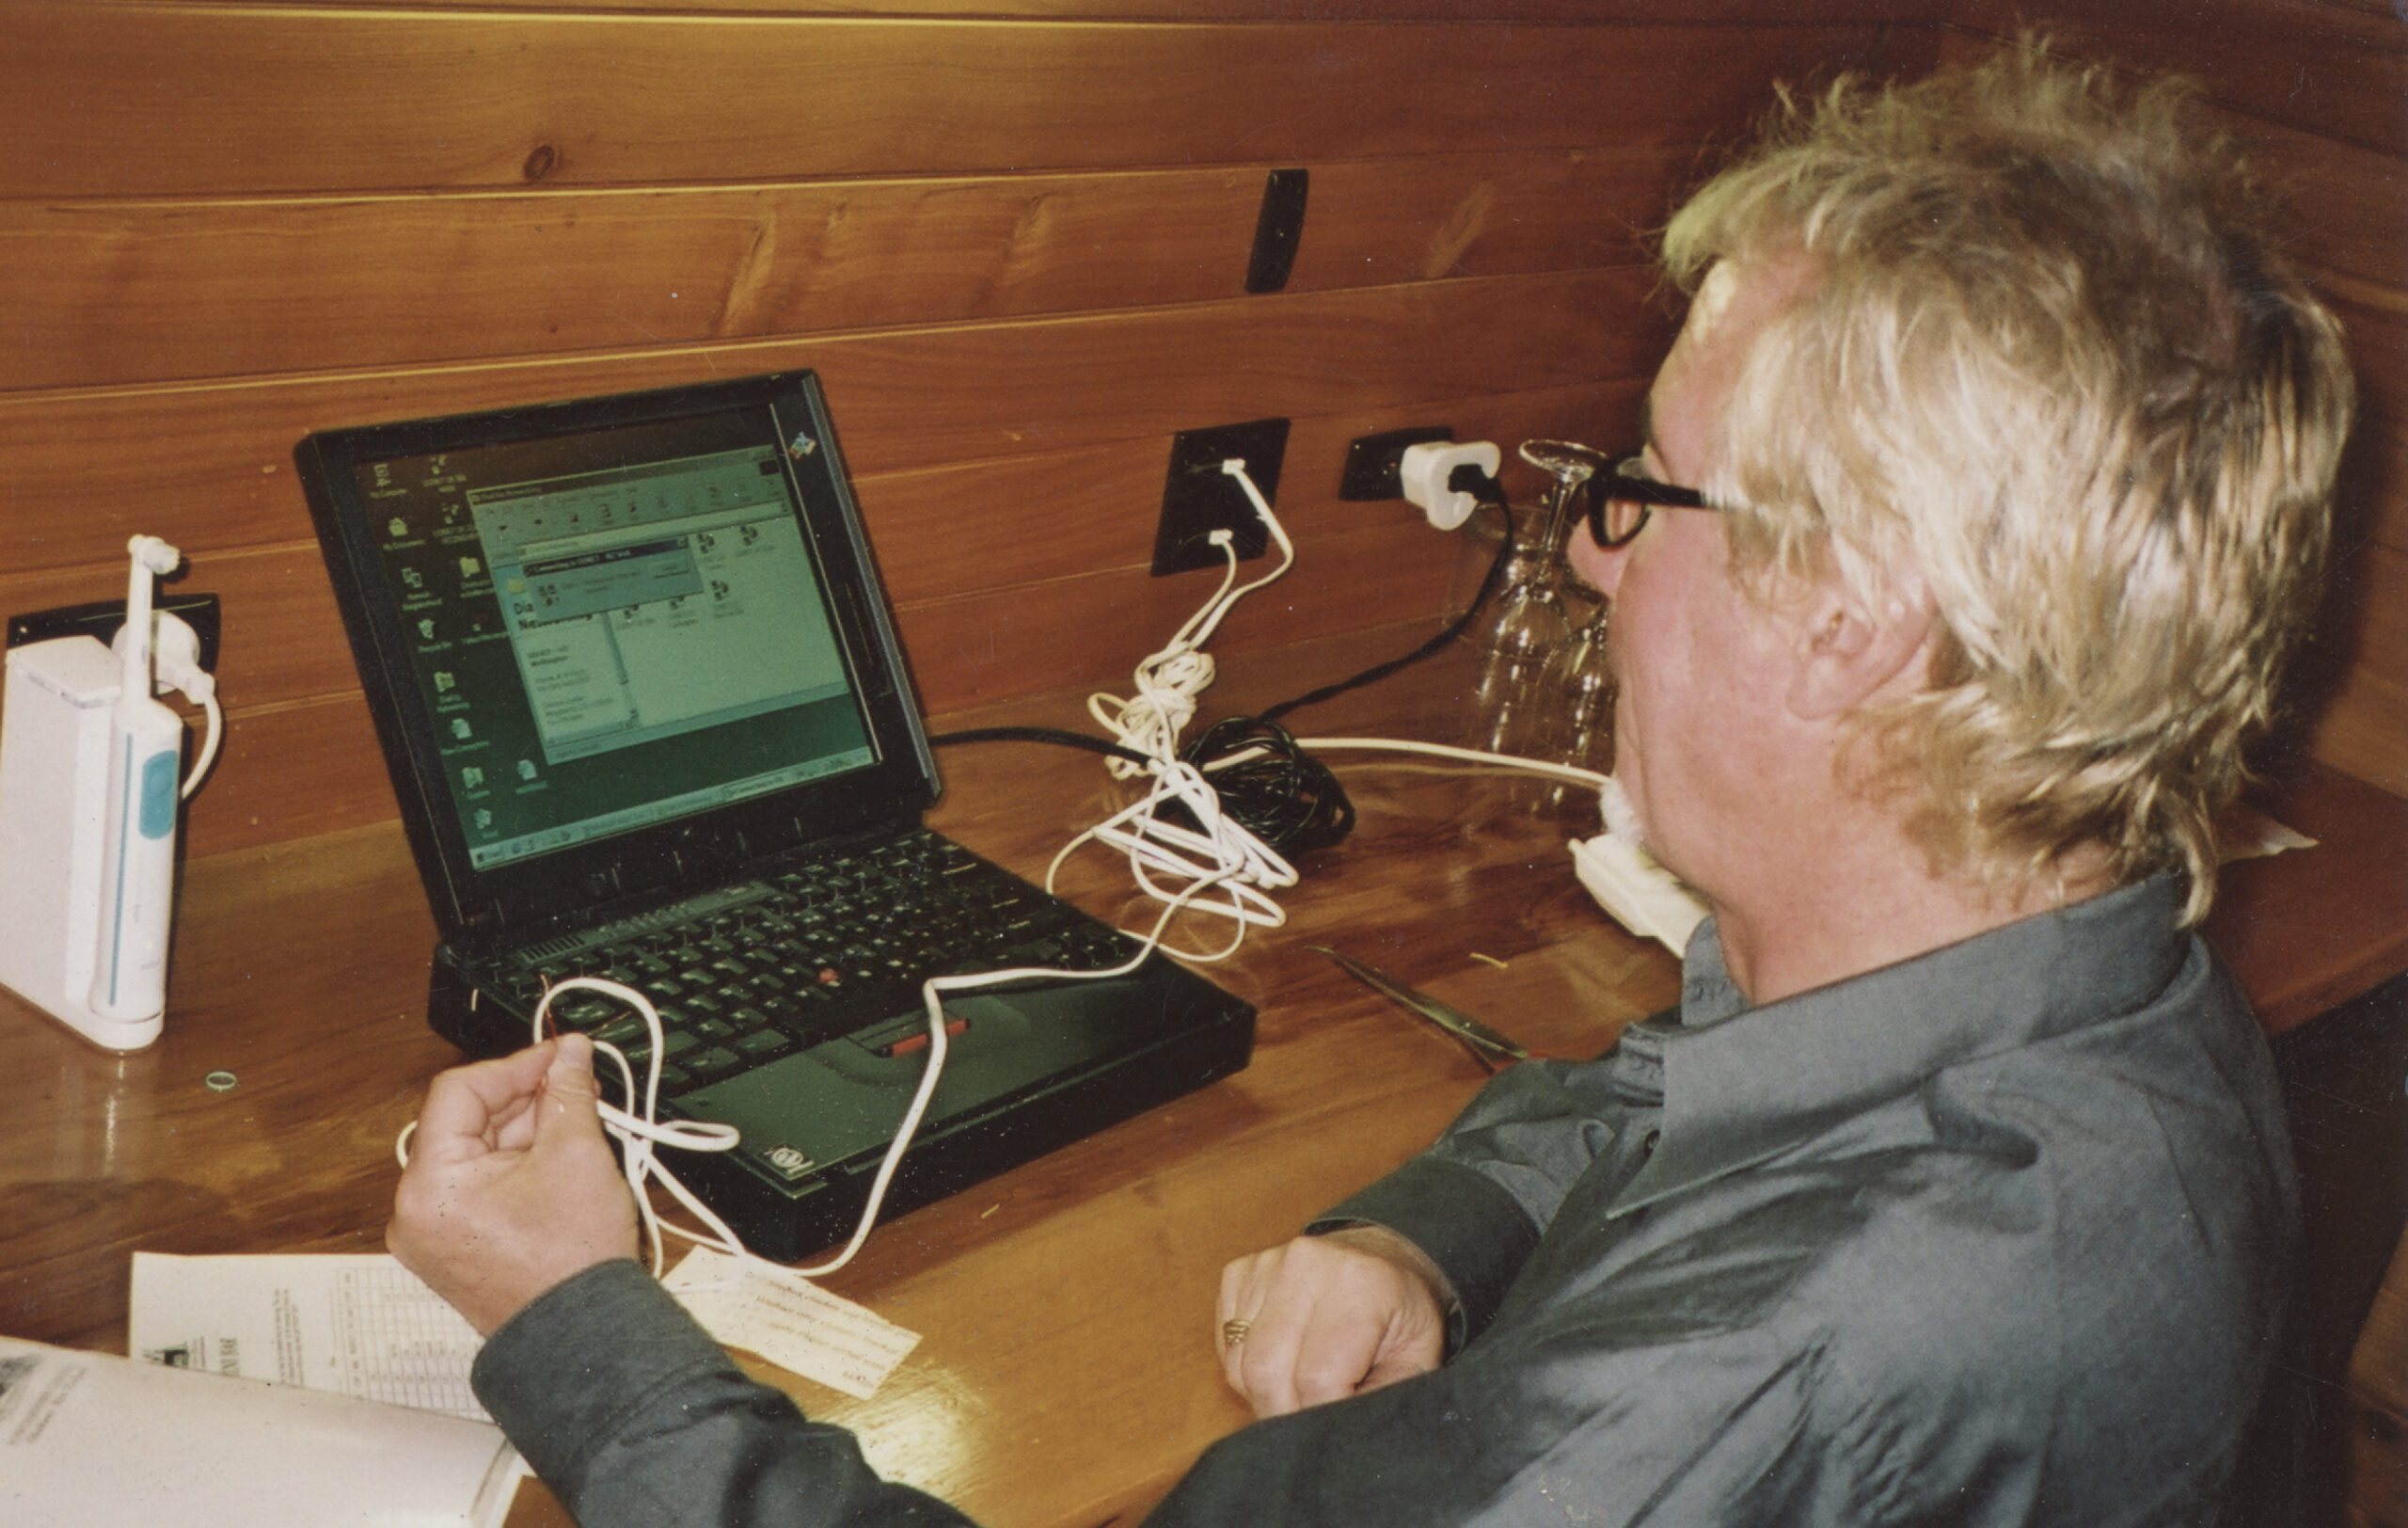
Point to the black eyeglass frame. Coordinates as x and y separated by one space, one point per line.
1627 483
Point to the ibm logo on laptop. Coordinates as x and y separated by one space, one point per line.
789 1163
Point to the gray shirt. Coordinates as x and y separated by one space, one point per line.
1992 1235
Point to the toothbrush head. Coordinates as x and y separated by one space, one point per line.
153 554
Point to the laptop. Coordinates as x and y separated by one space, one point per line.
644 706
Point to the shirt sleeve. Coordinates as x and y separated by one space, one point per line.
635 1417
1651 1435
1479 1199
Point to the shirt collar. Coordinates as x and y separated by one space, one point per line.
1745 1084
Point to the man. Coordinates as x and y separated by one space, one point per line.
1985 490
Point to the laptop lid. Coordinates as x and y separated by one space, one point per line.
616 647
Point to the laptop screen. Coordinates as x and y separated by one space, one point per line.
589 621
602 648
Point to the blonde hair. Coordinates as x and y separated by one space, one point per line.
2054 365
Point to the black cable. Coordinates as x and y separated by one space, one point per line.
1283 795
1286 797
1480 598
1055 734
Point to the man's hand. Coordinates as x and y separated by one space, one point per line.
1331 1317
510 1187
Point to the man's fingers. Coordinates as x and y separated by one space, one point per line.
1331 1361
1256 1364
1298 1346
1325 1320
1266 1364
468 1106
1238 1301
570 1095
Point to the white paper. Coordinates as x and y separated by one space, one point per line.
92 1440
792 1321
357 1324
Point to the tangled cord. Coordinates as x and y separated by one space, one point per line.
1266 779
1167 681
1183 849
1211 834
1266 783
1282 794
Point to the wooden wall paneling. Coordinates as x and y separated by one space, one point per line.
281 638
209 466
287 217
312 765
2346 205
2338 70
2379 346
2354 677
246 101
1027 530
968 525
991 645
2358 667
291 770
2364 729
116 291
2373 494
1929 13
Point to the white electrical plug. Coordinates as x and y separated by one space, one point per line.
175 660
175 656
1425 469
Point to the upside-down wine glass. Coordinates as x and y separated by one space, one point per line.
1531 619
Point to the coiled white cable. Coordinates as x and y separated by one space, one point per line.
1216 865
1168 681
637 1129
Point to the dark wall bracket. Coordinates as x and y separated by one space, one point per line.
1277 230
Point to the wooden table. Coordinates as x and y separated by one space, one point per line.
1067 1373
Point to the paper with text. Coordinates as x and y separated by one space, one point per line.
357 1324
94 1440
790 1321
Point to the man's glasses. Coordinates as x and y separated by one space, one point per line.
1622 496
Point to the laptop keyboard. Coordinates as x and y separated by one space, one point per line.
838 945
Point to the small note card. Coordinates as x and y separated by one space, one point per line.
790 1321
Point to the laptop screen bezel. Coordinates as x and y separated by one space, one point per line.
683 853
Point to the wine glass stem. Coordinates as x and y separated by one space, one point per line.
1550 549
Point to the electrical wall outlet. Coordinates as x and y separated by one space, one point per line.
1198 498
101 619
1372 460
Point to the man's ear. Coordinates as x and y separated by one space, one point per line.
1849 649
